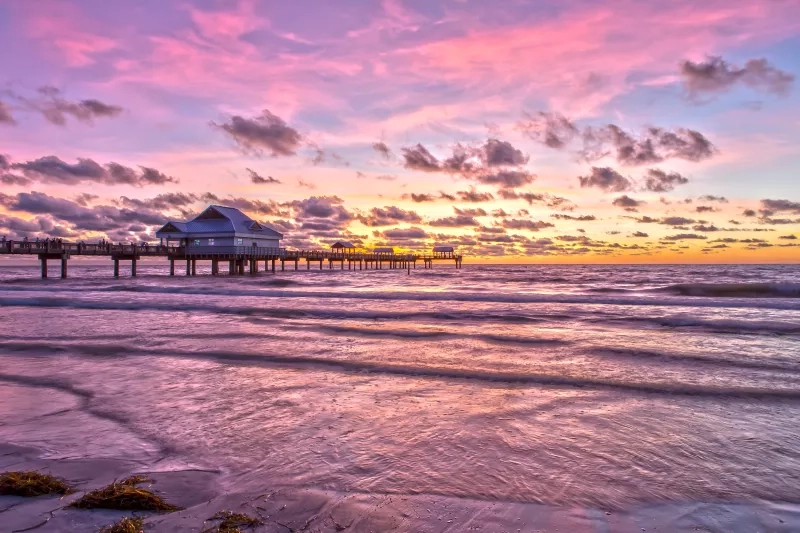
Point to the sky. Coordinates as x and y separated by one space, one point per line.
539 131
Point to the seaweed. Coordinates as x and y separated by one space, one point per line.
231 522
126 525
30 484
124 496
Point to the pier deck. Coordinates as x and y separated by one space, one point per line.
235 256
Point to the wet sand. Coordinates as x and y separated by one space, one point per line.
203 493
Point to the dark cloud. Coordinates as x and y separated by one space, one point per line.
770 207
251 206
627 201
705 209
388 216
419 158
530 225
420 198
457 221
640 234
676 221
550 129
5 115
788 237
502 153
471 212
607 179
56 109
474 196
259 179
715 75
684 236
51 169
383 149
749 213
581 218
654 145
705 228
659 181
405 233
507 179
85 198
266 132
163 202
712 198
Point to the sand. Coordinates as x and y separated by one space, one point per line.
203 493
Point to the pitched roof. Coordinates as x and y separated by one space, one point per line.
443 249
221 219
342 244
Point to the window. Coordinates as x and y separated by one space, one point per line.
197 242
211 242
239 242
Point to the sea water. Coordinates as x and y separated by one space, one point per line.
602 386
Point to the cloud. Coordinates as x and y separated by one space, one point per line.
388 216
419 158
770 207
51 169
507 179
163 202
383 149
258 179
705 209
530 225
550 129
715 75
627 202
56 109
712 198
266 132
5 115
406 233
654 145
420 198
607 179
640 234
581 218
457 221
788 237
705 228
684 236
659 181
676 221
502 153
474 196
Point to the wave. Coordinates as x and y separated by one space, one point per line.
729 326
735 290
786 303
774 365
428 334
432 372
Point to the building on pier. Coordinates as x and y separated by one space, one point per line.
343 246
384 250
218 229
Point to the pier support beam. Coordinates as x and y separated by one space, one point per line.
133 268
231 268
194 267
241 267
63 268
44 267
214 267
171 267
188 267
116 268
296 262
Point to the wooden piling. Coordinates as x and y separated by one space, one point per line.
133 267
63 268
44 267
116 268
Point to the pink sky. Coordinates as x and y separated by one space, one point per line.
201 91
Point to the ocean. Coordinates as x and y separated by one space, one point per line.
597 387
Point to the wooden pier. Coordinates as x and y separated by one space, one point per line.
238 258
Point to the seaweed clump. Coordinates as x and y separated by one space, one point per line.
30 484
124 495
231 522
126 525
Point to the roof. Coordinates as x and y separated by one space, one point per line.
220 219
384 250
443 249
342 244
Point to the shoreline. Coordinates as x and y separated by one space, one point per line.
202 493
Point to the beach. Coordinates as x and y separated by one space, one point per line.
493 398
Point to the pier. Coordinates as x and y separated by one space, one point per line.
237 260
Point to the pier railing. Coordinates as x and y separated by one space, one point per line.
254 252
